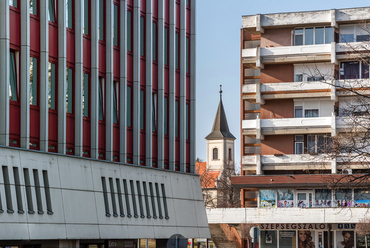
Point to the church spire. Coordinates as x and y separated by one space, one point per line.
220 127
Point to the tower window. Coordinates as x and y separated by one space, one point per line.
215 153
230 156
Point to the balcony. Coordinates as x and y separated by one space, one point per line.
287 126
288 54
351 50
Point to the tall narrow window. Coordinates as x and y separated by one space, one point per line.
177 50
33 7
85 95
51 95
298 37
154 43
101 98
13 92
13 3
129 31
85 16
69 15
166 46
101 20
187 54
142 36
215 153
165 116
115 104
187 121
230 155
52 10
33 81
154 112
142 107
176 119
128 110
69 91
308 36
115 26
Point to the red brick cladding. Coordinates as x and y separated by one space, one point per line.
277 37
277 144
277 73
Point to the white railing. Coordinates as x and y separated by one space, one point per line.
352 83
249 160
295 158
296 50
288 123
289 86
352 46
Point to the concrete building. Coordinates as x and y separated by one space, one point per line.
295 69
97 123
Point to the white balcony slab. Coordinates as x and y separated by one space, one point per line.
288 86
352 46
288 123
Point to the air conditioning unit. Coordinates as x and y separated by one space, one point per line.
347 171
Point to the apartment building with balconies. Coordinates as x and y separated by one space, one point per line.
299 71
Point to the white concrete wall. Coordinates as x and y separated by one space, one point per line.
78 202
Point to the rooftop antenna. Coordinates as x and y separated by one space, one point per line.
220 92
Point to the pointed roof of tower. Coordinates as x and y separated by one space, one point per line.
220 127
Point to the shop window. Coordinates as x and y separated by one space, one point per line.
69 91
345 239
343 198
285 198
323 198
51 86
33 81
267 198
215 154
52 10
115 102
101 20
129 31
69 14
362 198
313 36
306 239
361 241
13 78
33 6
85 16
128 108
268 239
287 239
142 36
85 95
101 99
115 25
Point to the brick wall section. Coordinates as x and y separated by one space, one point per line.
277 73
277 144
281 108
277 37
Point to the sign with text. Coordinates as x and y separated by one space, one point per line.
294 226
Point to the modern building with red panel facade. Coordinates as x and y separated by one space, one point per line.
300 72
97 121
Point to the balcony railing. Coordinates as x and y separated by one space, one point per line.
293 159
288 123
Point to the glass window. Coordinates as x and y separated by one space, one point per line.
13 92
298 148
33 81
129 31
101 20
329 35
52 10
165 115
115 103
13 3
360 241
176 119
344 38
115 26
287 239
311 113
85 95
154 43
350 70
298 111
51 95
154 112
128 106
187 55
323 198
362 198
347 33
299 78
177 51
298 37
363 38
187 126
215 154
267 198
285 198
319 35
33 7
142 107
166 46
101 98
69 91
268 239
69 15
85 14
311 146
308 36
142 36
343 198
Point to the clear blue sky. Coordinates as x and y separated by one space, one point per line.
218 55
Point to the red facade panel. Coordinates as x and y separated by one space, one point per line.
35 31
70 46
87 52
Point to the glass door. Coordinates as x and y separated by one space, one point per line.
304 199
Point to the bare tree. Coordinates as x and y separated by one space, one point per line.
363 229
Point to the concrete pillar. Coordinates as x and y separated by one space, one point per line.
192 87
171 101
123 82
109 82
4 72
62 65
78 78
136 83
44 76
161 109
148 83
182 122
25 75
94 99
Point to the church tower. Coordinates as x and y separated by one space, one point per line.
220 142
